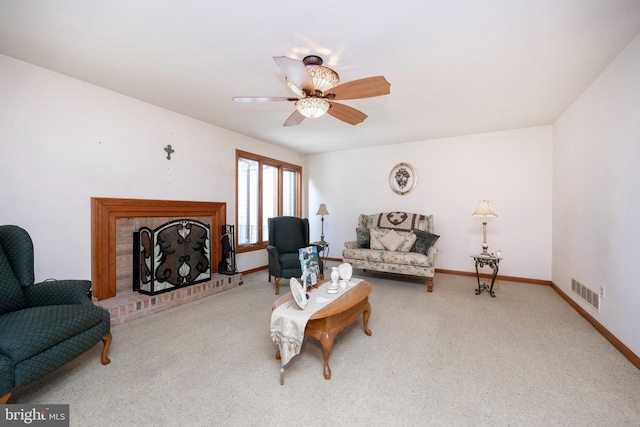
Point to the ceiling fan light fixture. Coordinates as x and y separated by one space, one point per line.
323 78
311 82
312 106
295 89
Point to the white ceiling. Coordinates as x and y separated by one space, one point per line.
456 67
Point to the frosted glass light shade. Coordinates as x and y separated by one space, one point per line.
295 89
312 106
323 78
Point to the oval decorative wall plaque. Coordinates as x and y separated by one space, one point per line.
403 178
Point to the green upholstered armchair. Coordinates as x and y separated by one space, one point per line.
43 325
287 234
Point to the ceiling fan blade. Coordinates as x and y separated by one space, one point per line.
294 119
262 98
346 114
296 72
362 88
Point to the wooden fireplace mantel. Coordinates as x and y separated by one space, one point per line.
105 211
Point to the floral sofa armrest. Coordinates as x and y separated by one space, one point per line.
351 245
431 254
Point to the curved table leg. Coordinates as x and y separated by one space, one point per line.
365 318
326 340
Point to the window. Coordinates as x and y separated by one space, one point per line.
290 200
264 188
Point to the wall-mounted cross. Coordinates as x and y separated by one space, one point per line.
169 151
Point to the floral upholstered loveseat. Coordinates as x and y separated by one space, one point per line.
394 242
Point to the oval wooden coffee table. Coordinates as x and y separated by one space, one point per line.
325 323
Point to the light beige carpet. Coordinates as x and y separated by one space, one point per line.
451 358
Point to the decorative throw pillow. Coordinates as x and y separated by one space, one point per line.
375 234
362 238
424 240
392 240
407 244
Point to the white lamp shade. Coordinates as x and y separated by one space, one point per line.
484 209
322 210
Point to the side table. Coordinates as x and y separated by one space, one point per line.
323 253
491 262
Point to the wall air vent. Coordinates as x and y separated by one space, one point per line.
590 297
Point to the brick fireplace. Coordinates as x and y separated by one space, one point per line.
112 223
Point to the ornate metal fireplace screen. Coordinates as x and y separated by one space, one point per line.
174 255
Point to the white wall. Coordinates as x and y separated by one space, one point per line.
512 169
64 141
596 233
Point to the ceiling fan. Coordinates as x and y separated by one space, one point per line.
317 89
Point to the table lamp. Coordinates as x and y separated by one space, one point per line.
484 210
322 211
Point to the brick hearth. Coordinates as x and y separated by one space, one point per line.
131 305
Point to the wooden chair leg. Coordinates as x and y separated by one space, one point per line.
4 398
105 349
430 284
277 280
